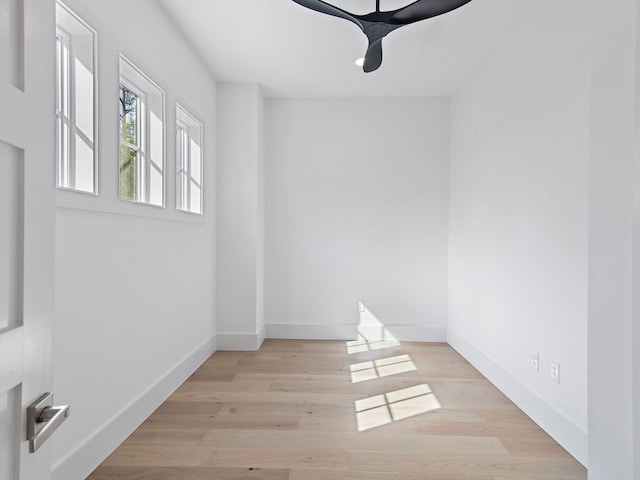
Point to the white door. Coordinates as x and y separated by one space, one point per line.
27 220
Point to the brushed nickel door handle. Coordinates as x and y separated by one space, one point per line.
43 418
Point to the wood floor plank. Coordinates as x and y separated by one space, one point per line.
195 393
160 456
299 458
534 447
174 436
188 473
328 475
305 368
233 386
469 394
215 422
281 346
312 410
366 441
509 430
347 424
184 408
505 465
212 373
362 389
537 476
339 379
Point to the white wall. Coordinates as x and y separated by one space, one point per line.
134 283
518 217
635 346
614 242
240 193
356 211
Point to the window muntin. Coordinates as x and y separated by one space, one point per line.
141 152
76 152
189 193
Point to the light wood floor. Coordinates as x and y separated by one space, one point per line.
310 410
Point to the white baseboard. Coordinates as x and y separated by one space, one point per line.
563 430
311 332
240 342
92 452
402 333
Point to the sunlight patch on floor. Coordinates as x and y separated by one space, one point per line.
383 409
385 367
359 346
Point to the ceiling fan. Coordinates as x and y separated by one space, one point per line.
377 25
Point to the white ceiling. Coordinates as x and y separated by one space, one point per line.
296 52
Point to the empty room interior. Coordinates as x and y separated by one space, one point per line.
424 271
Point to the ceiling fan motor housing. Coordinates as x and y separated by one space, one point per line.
377 25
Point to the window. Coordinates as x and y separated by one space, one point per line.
76 152
141 111
188 162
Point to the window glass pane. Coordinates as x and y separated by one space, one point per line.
84 163
128 116
181 158
59 152
83 100
128 144
195 161
128 177
195 202
156 186
195 198
156 159
62 113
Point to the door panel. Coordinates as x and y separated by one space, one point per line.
9 455
27 219
11 42
11 186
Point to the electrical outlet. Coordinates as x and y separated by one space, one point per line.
535 361
555 372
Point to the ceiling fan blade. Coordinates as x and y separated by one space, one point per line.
423 9
373 57
323 7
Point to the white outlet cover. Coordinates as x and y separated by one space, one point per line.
555 372
535 361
